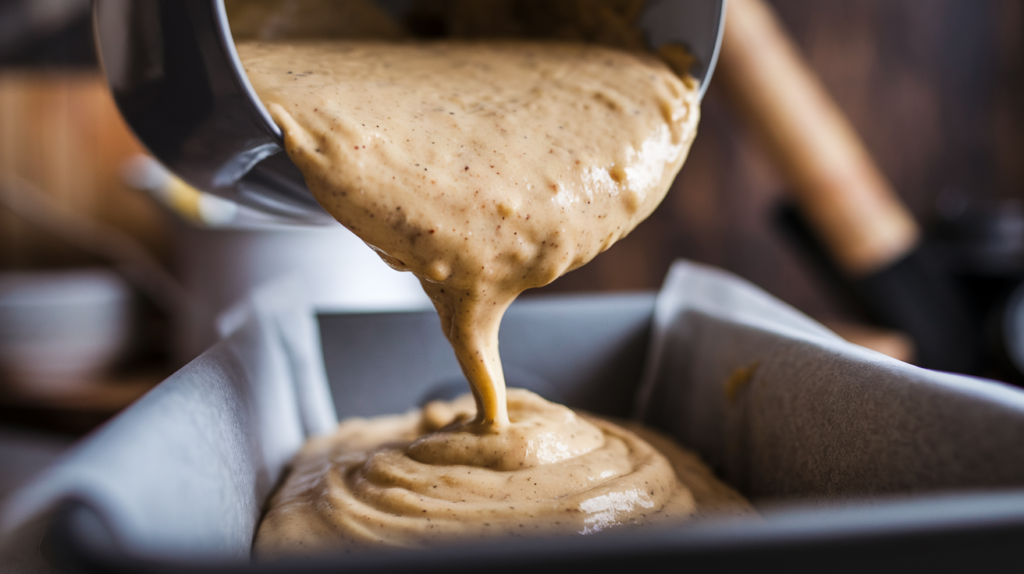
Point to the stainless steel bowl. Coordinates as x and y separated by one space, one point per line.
178 82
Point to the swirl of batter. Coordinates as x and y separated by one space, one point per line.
436 475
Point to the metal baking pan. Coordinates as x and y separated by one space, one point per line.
856 461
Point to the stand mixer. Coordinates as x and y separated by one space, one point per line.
178 82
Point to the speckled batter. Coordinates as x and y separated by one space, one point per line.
410 480
485 169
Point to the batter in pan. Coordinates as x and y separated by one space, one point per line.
484 168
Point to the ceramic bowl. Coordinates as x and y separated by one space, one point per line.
60 328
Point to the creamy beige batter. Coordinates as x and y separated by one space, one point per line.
409 480
485 169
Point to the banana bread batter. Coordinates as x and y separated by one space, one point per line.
410 480
485 169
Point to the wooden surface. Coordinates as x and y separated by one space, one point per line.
936 91
75 409
61 132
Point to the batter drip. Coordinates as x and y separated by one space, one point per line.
485 169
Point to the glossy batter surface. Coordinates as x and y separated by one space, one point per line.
416 479
484 168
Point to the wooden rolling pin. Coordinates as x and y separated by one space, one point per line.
837 185
844 201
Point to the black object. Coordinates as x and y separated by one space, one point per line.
1007 333
980 245
913 295
47 35
175 76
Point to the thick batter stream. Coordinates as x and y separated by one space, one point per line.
485 169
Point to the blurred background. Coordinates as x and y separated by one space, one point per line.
936 91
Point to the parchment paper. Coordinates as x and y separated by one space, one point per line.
786 410
185 470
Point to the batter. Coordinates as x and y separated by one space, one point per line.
485 169
552 472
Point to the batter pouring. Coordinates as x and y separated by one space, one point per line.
485 169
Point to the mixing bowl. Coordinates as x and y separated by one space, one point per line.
178 82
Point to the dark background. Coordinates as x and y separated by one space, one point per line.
935 90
